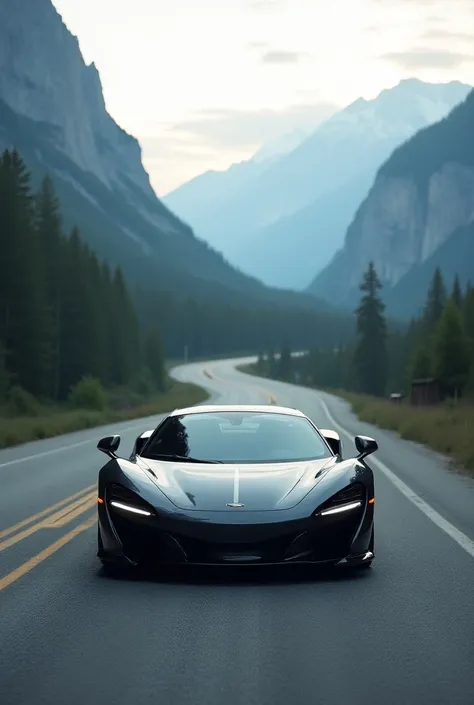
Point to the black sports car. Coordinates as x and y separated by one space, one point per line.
236 485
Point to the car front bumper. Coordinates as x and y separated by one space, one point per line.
339 540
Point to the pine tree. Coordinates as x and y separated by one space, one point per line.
4 376
422 363
284 366
260 365
272 364
23 327
49 233
468 312
126 332
451 351
435 301
457 292
370 357
154 359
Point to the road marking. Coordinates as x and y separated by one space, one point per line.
44 512
458 536
44 453
46 553
66 514
71 512
236 486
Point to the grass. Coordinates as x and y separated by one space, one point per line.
56 421
447 428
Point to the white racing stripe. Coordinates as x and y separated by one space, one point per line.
236 486
461 539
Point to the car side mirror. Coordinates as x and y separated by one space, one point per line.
109 445
365 446
141 442
333 439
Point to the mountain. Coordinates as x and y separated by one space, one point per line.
419 214
213 190
52 111
286 222
288 252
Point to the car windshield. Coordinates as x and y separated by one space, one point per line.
236 437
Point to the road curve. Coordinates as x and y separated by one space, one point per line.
403 634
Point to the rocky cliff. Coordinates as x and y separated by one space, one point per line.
422 197
44 77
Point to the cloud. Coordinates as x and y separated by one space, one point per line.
240 129
264 5
447 35
282 57
419 58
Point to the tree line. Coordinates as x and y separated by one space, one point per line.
383 357
65 315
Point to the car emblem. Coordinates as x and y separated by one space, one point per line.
234 505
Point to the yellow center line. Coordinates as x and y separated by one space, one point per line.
80 506
36 560
44 512
73 513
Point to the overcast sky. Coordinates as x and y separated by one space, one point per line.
204 83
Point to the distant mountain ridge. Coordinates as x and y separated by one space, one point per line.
206 193
419 214
284 223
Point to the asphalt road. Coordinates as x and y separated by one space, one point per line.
401 634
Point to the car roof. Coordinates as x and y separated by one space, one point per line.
251 408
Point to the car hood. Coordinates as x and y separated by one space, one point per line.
267 486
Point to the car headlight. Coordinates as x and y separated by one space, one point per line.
124 500
130 508
347 500
342 508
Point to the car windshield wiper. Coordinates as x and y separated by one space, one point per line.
182 458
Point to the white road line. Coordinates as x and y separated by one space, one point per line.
44 453
236 486
461 539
